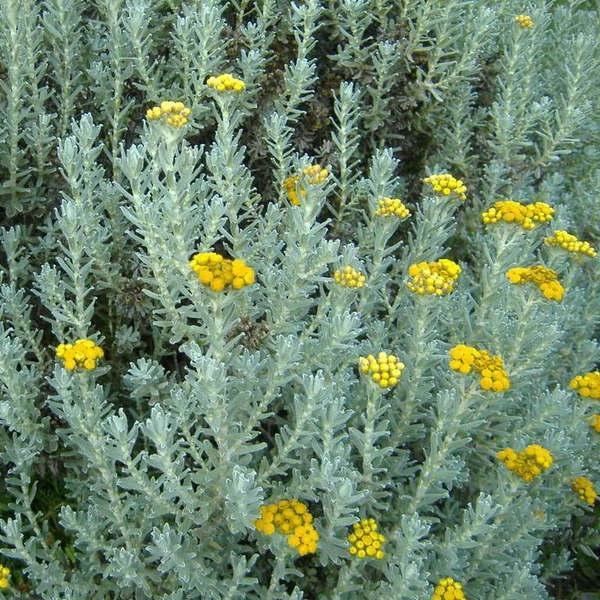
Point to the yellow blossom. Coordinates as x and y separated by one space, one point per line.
4 577
526 216
226 83
448 589
445 184
83 354
385 370
365 540
388 207
585 489
292 519
570 243
544 278
349 277
595 423
434 278
172 113
587 385
493 376
295 185
524 21
218 273
527 463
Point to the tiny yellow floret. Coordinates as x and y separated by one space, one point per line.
174 114
436 278
527 463
526 216
595 423
4 577
524 21
544 278
391 207
493 375
82 354
219 273
570 243
226 83
585 489
448 589
385 369
445 184
349 277
295 185
365 540
587 385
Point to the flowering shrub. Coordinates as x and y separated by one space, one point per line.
256 341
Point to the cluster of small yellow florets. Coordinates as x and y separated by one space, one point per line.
174 114
570 243
293 185
595 423
365 540
293 519
83 353
392 207
445 184
524 21
466 359
587 385
544 278
385 370
528 463
349 277
448 589
525 215
585 489
4 577
436 278
226 83
218 272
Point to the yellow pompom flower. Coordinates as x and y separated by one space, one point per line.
493 375
218 273
365 540
585 489
294 185
349 277
570 243
172 113
526 216
385 369
226 83
527 463
587 385
292 519
82 354
524 21
4 577
544 278
391 207
448 589
445 184
433 278
595 423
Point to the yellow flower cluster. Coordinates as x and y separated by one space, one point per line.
313 175
445 184
546 280
391 207
585 489
218 272
525 215
466 359
226 83
365 541
595 423
436 278
448 589
570 243
587 385
524 21
4 576
349 277
83 353
291 518
174 114
385 370
528 463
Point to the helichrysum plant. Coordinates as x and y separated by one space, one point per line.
299 299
